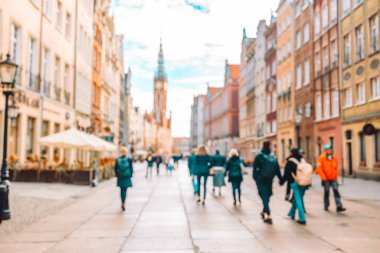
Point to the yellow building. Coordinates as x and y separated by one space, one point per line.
360 85
285 80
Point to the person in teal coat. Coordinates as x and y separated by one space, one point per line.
218 164
234 169
203 162
124 173
150 161
191 165
265 168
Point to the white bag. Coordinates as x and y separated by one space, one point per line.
304 172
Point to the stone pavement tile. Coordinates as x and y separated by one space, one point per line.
221 234
168 215
34 237
279 225
230 246
367 245
295 242
158 244
156 251
160 231
101 233
370 226
57 226
118 222
216 226
93 245
25 247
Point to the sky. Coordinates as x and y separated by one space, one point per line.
197 36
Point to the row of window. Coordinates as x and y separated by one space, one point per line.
327 105
303 77
360 96
301 4
328 53
306 36
329 16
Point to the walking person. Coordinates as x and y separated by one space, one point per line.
149 168
124 173
265 168
298 173
192 168
218 168
166 160
234 170
158 163
203 164
328 171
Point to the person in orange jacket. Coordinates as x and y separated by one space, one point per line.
328 171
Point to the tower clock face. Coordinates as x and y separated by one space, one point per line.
158 85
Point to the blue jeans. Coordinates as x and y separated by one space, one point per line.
297 204
199 177
123 194
333 184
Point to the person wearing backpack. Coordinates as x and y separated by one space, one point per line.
191 165
203 163
298 173
218 165
235 173
150 161
328 171
124 173
265 168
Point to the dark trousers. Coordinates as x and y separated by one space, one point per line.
334 185
123 194
265 192
236 188
158 168
199 177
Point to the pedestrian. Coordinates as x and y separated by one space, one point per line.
124 173
149 168
218 171
234 170
171 166
192 168
265 168
203 164
328 172
293 170
166 160
158 163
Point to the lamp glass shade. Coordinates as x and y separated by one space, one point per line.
13 111
8 72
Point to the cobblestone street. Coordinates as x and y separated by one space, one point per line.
163 216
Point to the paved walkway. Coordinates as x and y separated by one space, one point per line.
162 216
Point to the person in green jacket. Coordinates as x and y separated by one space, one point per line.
234 169
124 173
265 168
150 161
203 162
191 165
218 165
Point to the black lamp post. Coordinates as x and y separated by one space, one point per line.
8 71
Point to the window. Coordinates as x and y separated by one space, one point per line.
347 50
306 72
15 44
362 148
374 33
335 103
308 110
346 6
306 33
57 76
298 9
299 77
360 93
348 97
274 101
377 146
357 2
318 107
58 21
325 59
305 4
375 88
325 17
68 26
30 136
333 11
298 40
46 75
317 24
317 64
48 8
32 64
274 126
334 53
326 105
359 43
273 68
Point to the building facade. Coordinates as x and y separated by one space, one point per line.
285 77
271 84
197 132
360 85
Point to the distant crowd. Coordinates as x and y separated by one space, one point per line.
297 176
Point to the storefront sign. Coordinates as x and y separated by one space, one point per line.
27 100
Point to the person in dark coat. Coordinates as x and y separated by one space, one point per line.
191 165
203 162
150 161
235 173
158 163
298 191
265 168
218 164
124 173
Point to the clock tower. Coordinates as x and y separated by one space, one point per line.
160 89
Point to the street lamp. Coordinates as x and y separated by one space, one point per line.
8 72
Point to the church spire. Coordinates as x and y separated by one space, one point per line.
160 73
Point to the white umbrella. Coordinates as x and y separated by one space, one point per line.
71 138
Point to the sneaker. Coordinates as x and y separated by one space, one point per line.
234 203
301 222
268 221
123 207
262 214
340 209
